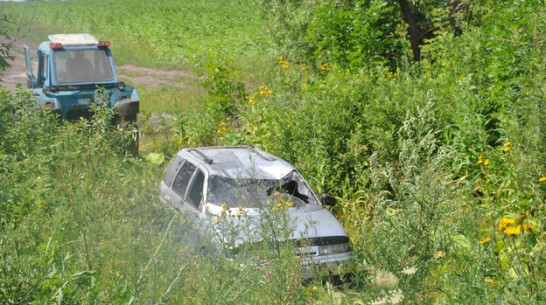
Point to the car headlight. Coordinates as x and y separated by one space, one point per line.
334 249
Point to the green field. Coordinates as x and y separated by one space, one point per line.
438 165
168 34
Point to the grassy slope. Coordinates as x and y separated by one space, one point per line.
430 201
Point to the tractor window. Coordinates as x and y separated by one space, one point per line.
83 66
42 68
43 73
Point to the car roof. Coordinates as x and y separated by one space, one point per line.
241 162
73 39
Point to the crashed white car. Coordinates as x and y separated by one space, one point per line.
238 184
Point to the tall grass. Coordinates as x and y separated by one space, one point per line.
438 167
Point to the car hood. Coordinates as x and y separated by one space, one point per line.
316 223
308 222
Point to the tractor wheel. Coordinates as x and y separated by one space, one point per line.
130 120
126 121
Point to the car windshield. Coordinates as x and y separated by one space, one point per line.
82 66
291 190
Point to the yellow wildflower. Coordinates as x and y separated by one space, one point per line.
504 222
305 85
439 254
285 64
528 228
238 214
491 282
512 230
486 162
303 68
507 146
217 221
480 159
240 207
485 240
542 179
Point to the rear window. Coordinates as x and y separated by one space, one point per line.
172 170
82 66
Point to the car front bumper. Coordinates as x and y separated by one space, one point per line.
328 265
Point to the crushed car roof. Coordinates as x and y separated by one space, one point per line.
241 162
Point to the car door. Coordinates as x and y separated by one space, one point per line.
28 63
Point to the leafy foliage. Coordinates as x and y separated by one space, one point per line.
348 33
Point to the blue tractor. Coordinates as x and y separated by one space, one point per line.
75 71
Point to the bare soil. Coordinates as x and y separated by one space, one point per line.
17 73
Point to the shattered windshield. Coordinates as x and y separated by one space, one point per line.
291 190
82 66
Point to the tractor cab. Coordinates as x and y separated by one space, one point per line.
75 71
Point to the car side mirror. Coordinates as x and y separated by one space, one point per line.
328 199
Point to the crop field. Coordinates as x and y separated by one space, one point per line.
171 34
435 149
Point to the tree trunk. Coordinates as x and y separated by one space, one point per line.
415 33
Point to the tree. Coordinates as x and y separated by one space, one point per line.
424 17
6 42
353 33
11 30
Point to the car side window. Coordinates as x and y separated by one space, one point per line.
195 193
182 179
172 170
